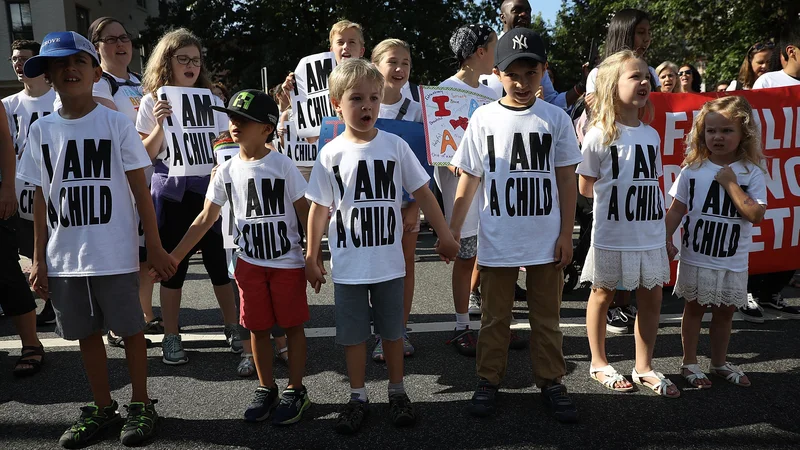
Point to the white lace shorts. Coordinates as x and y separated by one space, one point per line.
626 270
711 286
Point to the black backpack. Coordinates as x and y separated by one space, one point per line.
115 84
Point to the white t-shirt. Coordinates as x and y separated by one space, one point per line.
733 86
22 110
127 99
628 202
146 121
516 152
448 182
714 235
91 218
413 111
778 78
262 195
364 183
591 80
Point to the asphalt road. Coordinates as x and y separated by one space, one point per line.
201 403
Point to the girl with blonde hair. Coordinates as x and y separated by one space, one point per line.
621 169
718 196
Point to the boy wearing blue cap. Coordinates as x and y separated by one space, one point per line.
85 161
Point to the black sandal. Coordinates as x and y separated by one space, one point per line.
119 342
36 365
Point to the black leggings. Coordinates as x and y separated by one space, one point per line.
178 217
16 298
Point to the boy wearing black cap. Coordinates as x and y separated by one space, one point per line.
85 162
267 195
525 152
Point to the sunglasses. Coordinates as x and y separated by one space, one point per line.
111 40
684 72
761 46
185 60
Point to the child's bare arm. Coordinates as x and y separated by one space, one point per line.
202 223
38 277
586 185
156 256
567 197
315 270
751 210
467 186
447 246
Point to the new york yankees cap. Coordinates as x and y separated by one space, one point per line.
254 105
519 43
58 45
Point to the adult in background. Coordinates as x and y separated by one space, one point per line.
691 81
723 86
121 90
755 64
667 73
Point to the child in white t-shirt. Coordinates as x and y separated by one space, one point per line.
525 151
361 174
790 75
621 168
392 57
718 196
473 46
88 167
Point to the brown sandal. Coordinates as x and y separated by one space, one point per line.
29 351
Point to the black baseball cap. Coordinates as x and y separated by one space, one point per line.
519 43
254 105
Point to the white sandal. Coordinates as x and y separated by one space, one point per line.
246 366
660 388
696 373
730 373
611 378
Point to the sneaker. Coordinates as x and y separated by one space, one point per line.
482 404
93 420
47 316
474 304
377 352
264 400
232 338
352 415
402 410
140 424
516 342
556 398
520 293
778 303
155 326
246 367
172 350
751 312
464 341
293 404
408 349
616 321
630 312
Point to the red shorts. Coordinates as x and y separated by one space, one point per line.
268 296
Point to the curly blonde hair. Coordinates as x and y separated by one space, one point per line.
606 108
736 109
158 71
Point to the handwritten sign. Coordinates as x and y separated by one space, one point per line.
189 130
445 114
310 99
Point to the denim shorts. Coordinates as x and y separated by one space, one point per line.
352 309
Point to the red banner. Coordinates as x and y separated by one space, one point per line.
775 240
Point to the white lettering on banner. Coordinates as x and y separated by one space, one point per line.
310 99
189 131
445 114
228 223
302 152
671 132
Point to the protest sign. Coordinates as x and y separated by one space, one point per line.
310 98
302 152
445 113
25 193
775 240
225 152
189 130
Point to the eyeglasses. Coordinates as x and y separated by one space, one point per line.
18 59
185 60
762 46
684 72
111 40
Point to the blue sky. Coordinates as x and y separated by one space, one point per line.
548 8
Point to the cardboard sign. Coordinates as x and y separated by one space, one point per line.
189 131
776 240
445 113
25 193
302 152
229 231
310 99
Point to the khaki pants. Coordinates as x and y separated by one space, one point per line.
544 283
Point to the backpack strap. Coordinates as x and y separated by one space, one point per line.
403 109
414 91
111 82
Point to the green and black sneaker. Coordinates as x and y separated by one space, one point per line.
140 424
93 420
